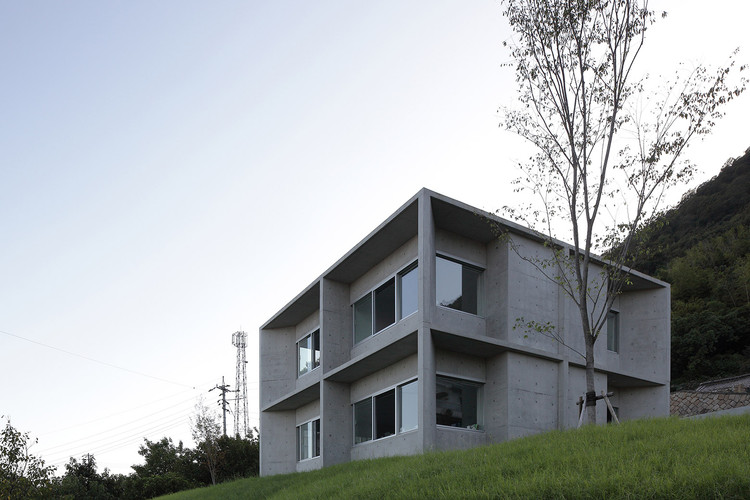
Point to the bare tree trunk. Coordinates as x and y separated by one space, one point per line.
590 387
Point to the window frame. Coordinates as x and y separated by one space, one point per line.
315 360
480 283
613 336
397 413
479 385
371 296
314 424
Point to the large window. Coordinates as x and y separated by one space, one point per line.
458 285
379 416
380 308
613 331
308 353
459 403
308 440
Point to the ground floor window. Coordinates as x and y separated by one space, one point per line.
459 403
381 415
308 440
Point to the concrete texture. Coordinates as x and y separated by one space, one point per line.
529 383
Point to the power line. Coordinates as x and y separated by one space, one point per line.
70 353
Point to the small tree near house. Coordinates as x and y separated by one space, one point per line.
606 148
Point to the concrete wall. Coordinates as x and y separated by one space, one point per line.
645 333
278 442
277 364
532 395
386 379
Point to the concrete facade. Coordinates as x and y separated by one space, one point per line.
485 380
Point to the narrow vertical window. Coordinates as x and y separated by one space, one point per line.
407 406
613 331
363 421
385 305
385 414
363 318
457 286
408 293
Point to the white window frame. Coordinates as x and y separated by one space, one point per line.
396 278
396 413
314 436
314 365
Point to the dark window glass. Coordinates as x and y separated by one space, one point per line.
613 331
385 305
457 286
385 414
458 403
363 421
363 318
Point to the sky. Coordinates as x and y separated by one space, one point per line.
172 172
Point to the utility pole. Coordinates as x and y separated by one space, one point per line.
224 388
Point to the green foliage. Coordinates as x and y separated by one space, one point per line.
22 475
660 458
702 248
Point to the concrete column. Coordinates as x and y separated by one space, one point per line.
335 423
335 324
426 350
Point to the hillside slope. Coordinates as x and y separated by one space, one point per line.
660 458
702 247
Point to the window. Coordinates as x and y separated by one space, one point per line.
308 353
363 421
376 417
407 282
308 440
384 305
407 406
458 285
377 310
613 331
459 403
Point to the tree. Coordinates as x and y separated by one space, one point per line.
22 475
606 148
206 432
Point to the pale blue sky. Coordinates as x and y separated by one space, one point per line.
173 171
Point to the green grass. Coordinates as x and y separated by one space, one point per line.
659 458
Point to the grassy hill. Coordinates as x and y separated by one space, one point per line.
659 458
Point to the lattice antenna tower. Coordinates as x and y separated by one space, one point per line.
241 423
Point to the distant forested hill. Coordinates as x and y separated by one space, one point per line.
702 247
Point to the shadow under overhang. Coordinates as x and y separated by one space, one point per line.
369 363
297 399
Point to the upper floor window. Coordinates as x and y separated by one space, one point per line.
381 415
613 331
458 285
308 353
458 403
308 440
380 308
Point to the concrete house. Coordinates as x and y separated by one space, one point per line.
407 344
